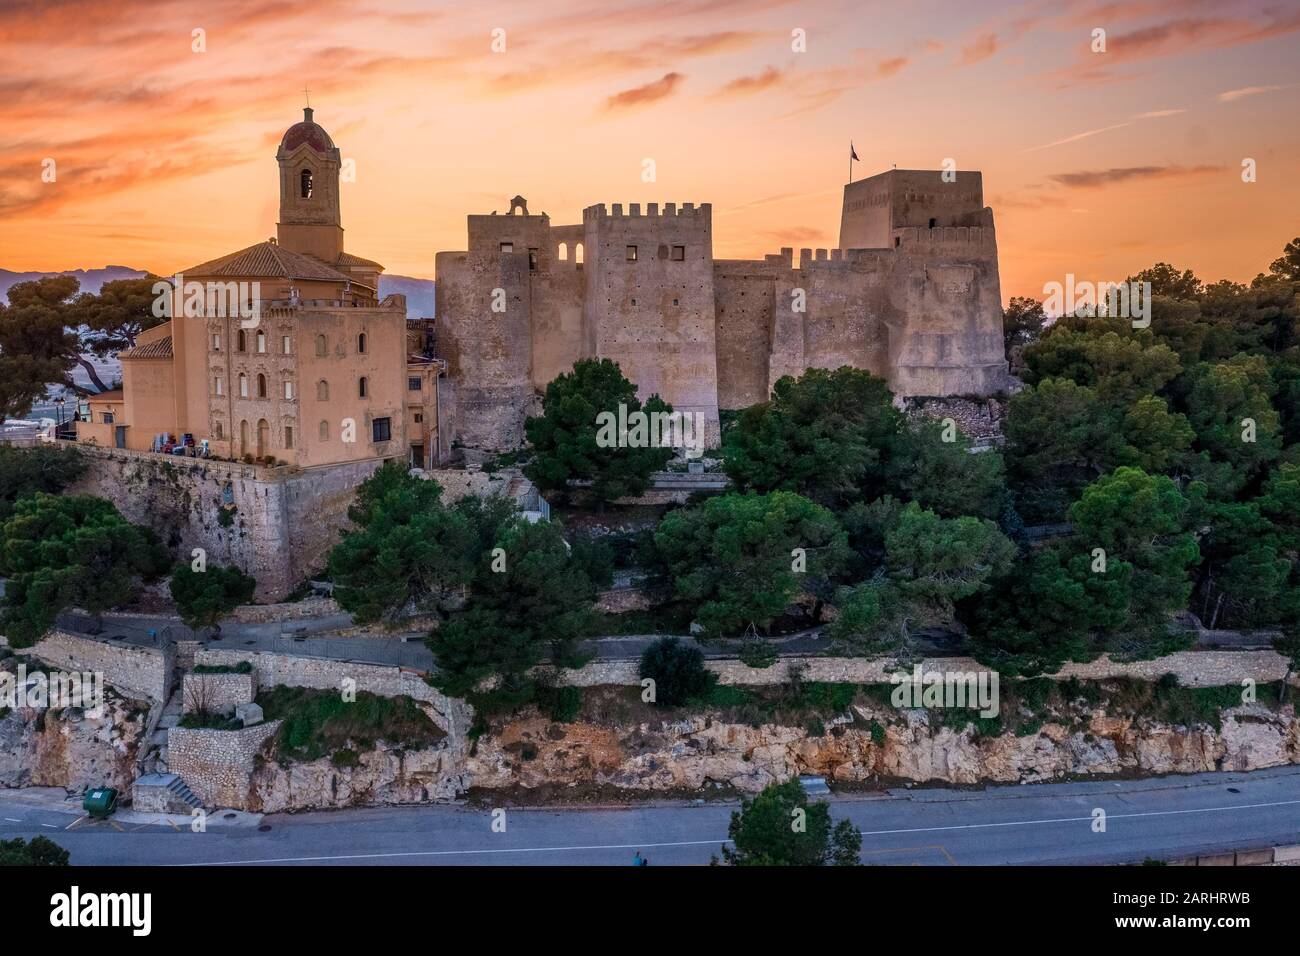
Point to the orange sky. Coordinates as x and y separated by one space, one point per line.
1094 163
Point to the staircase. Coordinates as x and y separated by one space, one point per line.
171 716
183 793
163 793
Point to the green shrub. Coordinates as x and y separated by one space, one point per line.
561 704
677 670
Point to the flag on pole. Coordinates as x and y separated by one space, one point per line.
853 153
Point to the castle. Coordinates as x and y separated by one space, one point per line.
328 374
911 294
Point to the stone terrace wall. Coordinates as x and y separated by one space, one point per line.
284 522
264 613
216 693
452 715
1194 669
141 673
216 764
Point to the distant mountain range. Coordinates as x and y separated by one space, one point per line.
418 292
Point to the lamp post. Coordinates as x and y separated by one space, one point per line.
58 411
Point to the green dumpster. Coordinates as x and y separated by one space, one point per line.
100 802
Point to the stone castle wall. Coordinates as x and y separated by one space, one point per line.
913 296
284 522
141 673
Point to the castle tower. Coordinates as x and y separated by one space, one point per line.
309 191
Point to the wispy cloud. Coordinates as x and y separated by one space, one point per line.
981 48
1076 137
744 85
1229 95
644 95
1093 179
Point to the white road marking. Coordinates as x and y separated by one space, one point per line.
50 825
13 820
637 846
521 849
1109 816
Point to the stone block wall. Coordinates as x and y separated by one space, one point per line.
141 673
264 613
1194 669
283 522
216 693
216 764
452 715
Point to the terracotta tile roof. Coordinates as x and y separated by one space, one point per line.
269 260
348 259
158 348
112 395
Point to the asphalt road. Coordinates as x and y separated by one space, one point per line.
1160 818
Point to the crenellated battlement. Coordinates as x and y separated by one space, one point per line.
653 210
916 235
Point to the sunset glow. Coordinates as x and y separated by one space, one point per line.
1096 164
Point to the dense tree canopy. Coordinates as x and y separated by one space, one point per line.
204 597
410 552
529 598
826 435
567 442
69 551
741 559
25 471
779 827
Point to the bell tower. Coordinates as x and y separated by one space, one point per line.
309 191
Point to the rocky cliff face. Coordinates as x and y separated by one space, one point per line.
70 749
382 776
699 752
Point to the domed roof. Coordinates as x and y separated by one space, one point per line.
306 132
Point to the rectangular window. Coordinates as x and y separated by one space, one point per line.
288 436
288 389
419 418
679 254
216 342
412 384
108 418
507 247
286 346
382 429
532 260
217 387
631 253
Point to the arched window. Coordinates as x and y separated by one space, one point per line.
263 437
324 431
243 385
305 184
322 391
261 385
563 252
322 347
261 342
577 252
241 343
361 343
361 386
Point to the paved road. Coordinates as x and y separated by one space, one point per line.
1043 824
406 649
